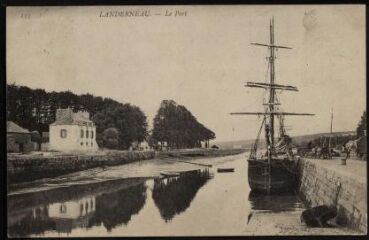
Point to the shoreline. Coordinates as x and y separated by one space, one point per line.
101 175
23 169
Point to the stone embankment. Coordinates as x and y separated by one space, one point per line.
202 153
23 168
327 182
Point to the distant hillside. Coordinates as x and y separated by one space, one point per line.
306 138
298 140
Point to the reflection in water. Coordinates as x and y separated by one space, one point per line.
275 203
72 214
189 205
117 208
106 204
31 221
174 195
113 205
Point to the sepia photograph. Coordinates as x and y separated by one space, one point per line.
186 120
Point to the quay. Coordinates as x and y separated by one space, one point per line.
327 182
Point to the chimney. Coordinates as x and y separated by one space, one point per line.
83 114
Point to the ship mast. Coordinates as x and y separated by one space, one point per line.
272 90
271 111
330 136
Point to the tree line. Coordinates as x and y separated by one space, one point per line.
118 125
34 109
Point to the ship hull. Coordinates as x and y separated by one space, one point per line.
283 176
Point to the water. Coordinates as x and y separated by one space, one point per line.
198 202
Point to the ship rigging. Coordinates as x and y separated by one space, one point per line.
271 172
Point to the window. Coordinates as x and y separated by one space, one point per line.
92 144
86 133
63 133
81 133
81 143
92 134
81 208
63 208
86 143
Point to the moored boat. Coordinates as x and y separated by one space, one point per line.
275 170
225 170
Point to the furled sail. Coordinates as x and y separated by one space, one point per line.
283 145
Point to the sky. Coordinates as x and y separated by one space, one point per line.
200 59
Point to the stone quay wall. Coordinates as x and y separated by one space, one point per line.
25 168
322 185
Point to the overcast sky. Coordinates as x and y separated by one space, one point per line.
200 60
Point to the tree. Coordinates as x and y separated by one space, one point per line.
361 126
176 126
110 138
129 120
360 132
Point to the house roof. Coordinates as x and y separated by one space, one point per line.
11 127
68 117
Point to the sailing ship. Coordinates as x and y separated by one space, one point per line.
275 170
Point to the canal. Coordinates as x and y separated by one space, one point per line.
132 200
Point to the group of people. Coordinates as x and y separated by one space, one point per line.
327 153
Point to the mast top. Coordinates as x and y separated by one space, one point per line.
271 45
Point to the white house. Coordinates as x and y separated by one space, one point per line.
72 131
72 209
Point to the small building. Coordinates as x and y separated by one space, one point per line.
18 139
36 140
72 131
142 146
